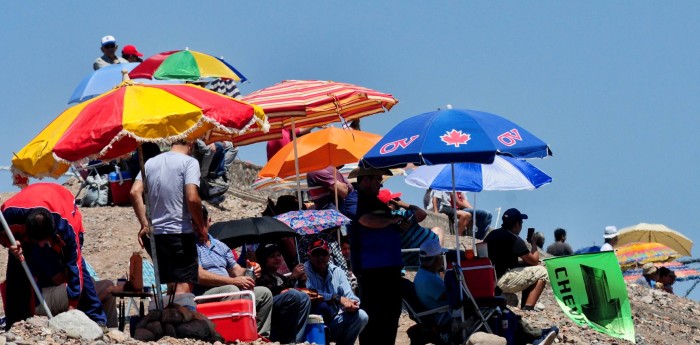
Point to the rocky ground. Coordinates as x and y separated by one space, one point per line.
110 239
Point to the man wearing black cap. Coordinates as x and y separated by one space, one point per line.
505 247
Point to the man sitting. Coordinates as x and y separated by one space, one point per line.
220 273
505 247
650 275
559 248
432 293
345 318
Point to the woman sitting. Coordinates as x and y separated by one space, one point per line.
290 307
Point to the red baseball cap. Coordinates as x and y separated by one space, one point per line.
385 195
319 244
131 50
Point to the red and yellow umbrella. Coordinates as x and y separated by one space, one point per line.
112 124
185 65
318 150
310 103
637 254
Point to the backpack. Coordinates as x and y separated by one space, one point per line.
97 192
208 190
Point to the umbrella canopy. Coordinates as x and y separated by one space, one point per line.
585 250
265 229
105 79
185 65
318 150
682 271
454 136
505 173
308 222
637 254
310 103
112 125
657 233
275 184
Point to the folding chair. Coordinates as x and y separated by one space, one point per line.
426 329
460 298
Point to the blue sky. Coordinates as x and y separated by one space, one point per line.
612 87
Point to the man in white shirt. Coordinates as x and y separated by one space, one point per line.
610 237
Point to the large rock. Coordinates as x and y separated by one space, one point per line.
76 322
481 338
196 329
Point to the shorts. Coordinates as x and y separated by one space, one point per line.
449 211
178 261
521 278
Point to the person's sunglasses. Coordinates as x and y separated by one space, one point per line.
109 46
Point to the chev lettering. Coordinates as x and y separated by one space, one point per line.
402 143
562 283
510 138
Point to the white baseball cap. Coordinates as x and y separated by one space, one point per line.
610 231
108 40
431 248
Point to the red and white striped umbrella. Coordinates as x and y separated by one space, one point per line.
310 103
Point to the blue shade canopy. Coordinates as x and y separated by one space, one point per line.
105 79
453 136
504 174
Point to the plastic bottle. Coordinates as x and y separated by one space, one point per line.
135 271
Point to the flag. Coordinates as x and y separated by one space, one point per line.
591 291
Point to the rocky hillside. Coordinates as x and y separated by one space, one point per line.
110 239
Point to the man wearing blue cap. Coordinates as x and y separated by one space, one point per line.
505 247
109 53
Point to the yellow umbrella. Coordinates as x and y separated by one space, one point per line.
658 233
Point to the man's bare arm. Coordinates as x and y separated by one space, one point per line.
194 205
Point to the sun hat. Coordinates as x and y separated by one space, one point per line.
357 172
431 248
108 40
385 195
610 231
649 269
131 50
513 215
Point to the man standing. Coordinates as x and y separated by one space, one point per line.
330 281
46 222
559 248
109 53
324 184
610 237
176 214
220 273
505 247
375 236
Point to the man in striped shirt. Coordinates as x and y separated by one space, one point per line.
341 308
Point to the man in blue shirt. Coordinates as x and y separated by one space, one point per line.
650 275
332 284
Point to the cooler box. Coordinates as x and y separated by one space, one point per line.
120 186
480 276
234 320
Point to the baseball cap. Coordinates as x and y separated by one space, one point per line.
431 248
357 172
108 40
319 244
131 50
385 195
610 231
649 269
512 214
264 251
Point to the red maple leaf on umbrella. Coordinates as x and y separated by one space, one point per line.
455 138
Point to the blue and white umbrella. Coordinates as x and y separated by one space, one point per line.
453 136
504 174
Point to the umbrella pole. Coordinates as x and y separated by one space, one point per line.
154 255
458 275
335 192
26 268
296 162
474 226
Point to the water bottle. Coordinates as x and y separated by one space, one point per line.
250 273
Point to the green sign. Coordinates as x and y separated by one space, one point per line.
591 291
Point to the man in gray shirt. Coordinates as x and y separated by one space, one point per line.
559 248
176 214
109 53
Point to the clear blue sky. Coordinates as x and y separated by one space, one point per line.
612 87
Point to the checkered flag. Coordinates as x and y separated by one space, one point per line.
226 87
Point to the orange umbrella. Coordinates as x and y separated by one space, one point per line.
318 150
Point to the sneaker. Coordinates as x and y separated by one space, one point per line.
548 336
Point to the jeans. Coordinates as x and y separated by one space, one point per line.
345 326
483 221
381 301
289 313
263 304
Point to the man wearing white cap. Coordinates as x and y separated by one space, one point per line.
610 236
109 53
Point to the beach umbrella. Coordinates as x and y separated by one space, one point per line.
637 254
309 222
585 250
657 233
276 184
105 79
235 233
504 174
682 271
185 65
113 124
318 150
